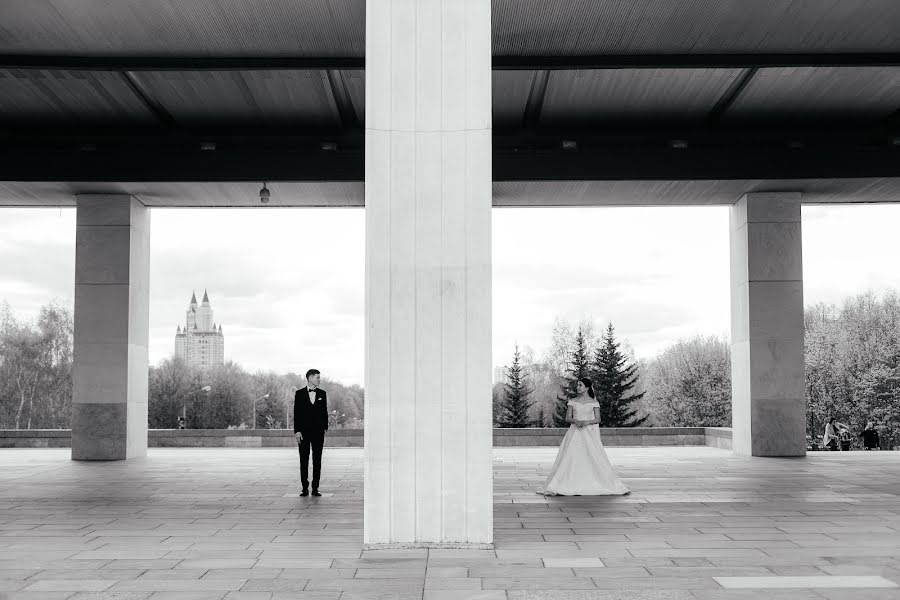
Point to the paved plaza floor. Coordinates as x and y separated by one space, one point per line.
700 524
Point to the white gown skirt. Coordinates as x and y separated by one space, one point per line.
582 468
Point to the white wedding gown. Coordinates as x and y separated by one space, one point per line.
582 467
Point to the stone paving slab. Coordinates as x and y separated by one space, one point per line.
226 523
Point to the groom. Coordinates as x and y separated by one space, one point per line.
310 425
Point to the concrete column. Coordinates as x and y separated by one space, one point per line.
428 472
767 362
112 271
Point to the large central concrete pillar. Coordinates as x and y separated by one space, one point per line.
767 361
112 318
428 438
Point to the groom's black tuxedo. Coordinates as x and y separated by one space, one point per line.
311 420
308 417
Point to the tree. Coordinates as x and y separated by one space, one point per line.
496 403
689 384
515 405
578 367
275 409
614 380
36 368
173 388
57 330
228 403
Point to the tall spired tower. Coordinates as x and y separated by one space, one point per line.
200 344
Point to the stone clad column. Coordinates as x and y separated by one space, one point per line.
112 272
428 436
767 360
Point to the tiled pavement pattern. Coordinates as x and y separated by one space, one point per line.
700 524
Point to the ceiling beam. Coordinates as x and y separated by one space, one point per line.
731 94
502 63
339 98
137 87
535 102
688 164
180 63
697 61
180 164
251 159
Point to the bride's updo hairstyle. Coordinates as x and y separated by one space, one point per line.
589 385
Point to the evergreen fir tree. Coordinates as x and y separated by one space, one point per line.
515 406
579 366
613 380
539 422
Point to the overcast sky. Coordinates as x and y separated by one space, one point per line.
287 284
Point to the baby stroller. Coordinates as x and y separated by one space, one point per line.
845 440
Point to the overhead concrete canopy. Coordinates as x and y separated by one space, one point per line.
594 102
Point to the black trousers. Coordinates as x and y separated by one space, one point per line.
313 441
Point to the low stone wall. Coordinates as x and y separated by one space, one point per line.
246 438
35 438
718 437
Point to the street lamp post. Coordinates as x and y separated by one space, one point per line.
183 419
253 425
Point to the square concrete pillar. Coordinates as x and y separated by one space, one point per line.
428 438
112 320
767 360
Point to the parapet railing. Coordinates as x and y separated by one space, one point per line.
719 437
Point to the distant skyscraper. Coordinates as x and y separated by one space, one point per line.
200 343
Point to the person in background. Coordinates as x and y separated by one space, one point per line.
870 437
832 431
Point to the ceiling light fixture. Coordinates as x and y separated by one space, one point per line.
264 194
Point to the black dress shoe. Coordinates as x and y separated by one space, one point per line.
316 493
304 493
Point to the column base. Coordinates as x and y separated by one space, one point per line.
98 431
430 545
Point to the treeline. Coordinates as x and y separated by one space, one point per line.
853 365
176 389
537 394
852 374
852 356
36 384
686 385
581 355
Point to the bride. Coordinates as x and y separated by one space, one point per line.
582 467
